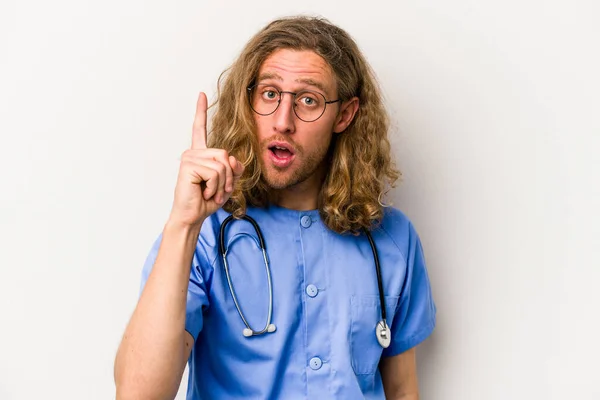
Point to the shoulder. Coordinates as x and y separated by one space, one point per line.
208 240
393 218
398 231
207 246
397 225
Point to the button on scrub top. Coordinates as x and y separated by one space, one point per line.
325 306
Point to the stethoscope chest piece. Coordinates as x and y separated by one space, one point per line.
382 331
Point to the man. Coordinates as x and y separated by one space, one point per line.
298 143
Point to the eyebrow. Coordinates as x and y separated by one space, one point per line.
308 81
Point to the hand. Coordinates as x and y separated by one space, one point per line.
206 176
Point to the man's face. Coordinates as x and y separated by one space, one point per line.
293 151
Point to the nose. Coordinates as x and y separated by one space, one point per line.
284 117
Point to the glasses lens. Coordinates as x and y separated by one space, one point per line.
309 105
264 99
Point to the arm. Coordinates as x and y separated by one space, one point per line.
399 375
155 347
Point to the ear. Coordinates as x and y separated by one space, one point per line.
347 112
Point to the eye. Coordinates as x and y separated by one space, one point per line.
308 99
269 94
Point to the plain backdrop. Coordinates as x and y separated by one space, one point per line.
495 110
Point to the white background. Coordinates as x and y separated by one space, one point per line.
495 108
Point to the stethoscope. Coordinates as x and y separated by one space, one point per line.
382 330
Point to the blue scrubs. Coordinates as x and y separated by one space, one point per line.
325 307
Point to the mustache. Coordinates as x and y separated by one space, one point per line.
281 138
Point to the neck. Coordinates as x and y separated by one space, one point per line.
300 200
302 196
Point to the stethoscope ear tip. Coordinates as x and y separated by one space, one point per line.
271 328
247 332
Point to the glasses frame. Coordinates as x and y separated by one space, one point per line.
294 94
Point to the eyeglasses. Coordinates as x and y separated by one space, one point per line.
309 106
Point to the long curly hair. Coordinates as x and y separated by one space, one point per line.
361 170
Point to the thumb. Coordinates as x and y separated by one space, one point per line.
236 166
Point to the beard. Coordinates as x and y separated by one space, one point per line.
304 166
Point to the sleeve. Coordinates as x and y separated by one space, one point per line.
415 315
197 294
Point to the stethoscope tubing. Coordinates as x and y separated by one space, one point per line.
382 330
223 251
378 271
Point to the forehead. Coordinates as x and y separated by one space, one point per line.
298 68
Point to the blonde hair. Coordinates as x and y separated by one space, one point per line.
360 167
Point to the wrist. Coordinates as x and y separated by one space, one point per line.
175 224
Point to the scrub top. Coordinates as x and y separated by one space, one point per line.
325 306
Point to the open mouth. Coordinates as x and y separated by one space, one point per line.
281 152
281 149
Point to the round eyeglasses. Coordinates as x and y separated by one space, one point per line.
309 106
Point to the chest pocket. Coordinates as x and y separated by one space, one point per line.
365 349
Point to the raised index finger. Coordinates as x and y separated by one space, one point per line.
199 128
